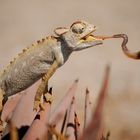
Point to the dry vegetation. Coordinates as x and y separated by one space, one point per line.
62 123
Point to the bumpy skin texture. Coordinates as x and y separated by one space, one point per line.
42 59
31 65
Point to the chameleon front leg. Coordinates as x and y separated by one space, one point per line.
43 85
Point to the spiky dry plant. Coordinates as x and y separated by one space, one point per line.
60 124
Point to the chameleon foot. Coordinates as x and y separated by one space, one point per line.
1 108
41 106
1 127
1 99
48 97
38 105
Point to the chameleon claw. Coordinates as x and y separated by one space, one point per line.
75 38
35 108
48 98
38 105
1 127
41 106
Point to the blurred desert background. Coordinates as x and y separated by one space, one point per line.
24 22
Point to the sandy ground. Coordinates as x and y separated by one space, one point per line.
24 22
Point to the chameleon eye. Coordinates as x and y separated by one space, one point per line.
78 28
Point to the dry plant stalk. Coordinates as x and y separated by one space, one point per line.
13 131
93 130
63 105
41 120
44 129
88 110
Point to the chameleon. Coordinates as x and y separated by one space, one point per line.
42 59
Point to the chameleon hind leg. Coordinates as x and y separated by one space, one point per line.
1 100
43 85
1 108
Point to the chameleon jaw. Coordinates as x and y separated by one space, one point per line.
89 38
87 42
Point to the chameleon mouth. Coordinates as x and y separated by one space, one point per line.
90 38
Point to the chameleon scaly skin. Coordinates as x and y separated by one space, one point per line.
43 58
30 66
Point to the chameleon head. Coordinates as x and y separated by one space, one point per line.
78 36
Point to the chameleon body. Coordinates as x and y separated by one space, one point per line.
44 57
31 65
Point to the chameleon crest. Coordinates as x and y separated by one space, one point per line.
43 58
39 59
